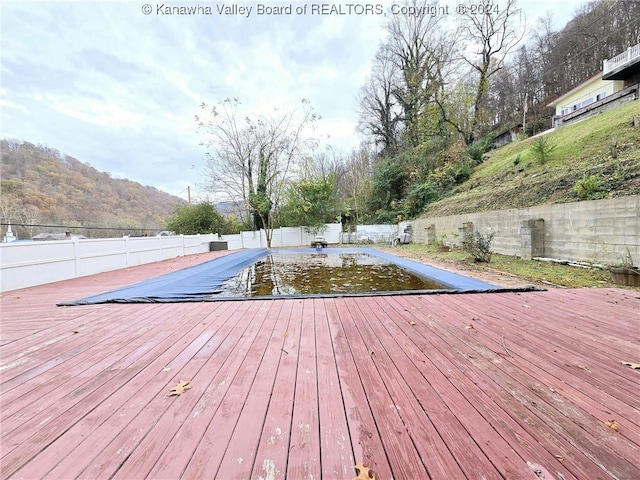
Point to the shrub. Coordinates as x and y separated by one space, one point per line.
478 245
197 218
420 195
536 126
477 149
589 187
542 149
450 174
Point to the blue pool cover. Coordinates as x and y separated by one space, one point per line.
201 282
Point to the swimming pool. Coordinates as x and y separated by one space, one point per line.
210 281
323 272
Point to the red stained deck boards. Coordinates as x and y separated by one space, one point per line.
295 388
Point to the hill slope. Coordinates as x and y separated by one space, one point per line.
596 158
41 186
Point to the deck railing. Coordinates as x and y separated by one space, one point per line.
628 56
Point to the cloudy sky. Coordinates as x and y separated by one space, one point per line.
117 84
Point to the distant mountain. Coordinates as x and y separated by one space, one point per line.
39 185
228 208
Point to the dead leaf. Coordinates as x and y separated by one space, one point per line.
364 473
180 388
613 425
469 327
166 369
635 366
412 323
286 334
526 306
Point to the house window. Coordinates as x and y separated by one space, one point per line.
601 96
586 102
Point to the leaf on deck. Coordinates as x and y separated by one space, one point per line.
613 425
470 326
180 388
634 366
364 473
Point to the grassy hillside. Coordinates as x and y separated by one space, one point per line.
596 158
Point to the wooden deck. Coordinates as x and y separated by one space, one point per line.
470 386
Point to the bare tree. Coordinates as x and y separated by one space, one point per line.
398 103
353 180
9 213
379 114
30 216
421 52
251 158
555 60
494 30
540 56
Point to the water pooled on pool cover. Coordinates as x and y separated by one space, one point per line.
323 273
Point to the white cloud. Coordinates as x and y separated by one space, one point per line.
128 85
106 115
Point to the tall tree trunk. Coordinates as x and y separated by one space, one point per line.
479 109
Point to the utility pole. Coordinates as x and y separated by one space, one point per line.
525 108
189 194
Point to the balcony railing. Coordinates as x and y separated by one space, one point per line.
630 55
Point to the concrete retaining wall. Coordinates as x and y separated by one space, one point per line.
599 231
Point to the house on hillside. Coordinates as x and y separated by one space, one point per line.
618 83
624 67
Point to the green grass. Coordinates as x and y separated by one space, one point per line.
545 273
514 176
557 274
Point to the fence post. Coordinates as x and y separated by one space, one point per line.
76 255
127 253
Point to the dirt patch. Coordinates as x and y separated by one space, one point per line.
481 272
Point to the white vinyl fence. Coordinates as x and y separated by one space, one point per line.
381 234
25 264
282 237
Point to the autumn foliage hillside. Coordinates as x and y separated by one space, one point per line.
44 187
